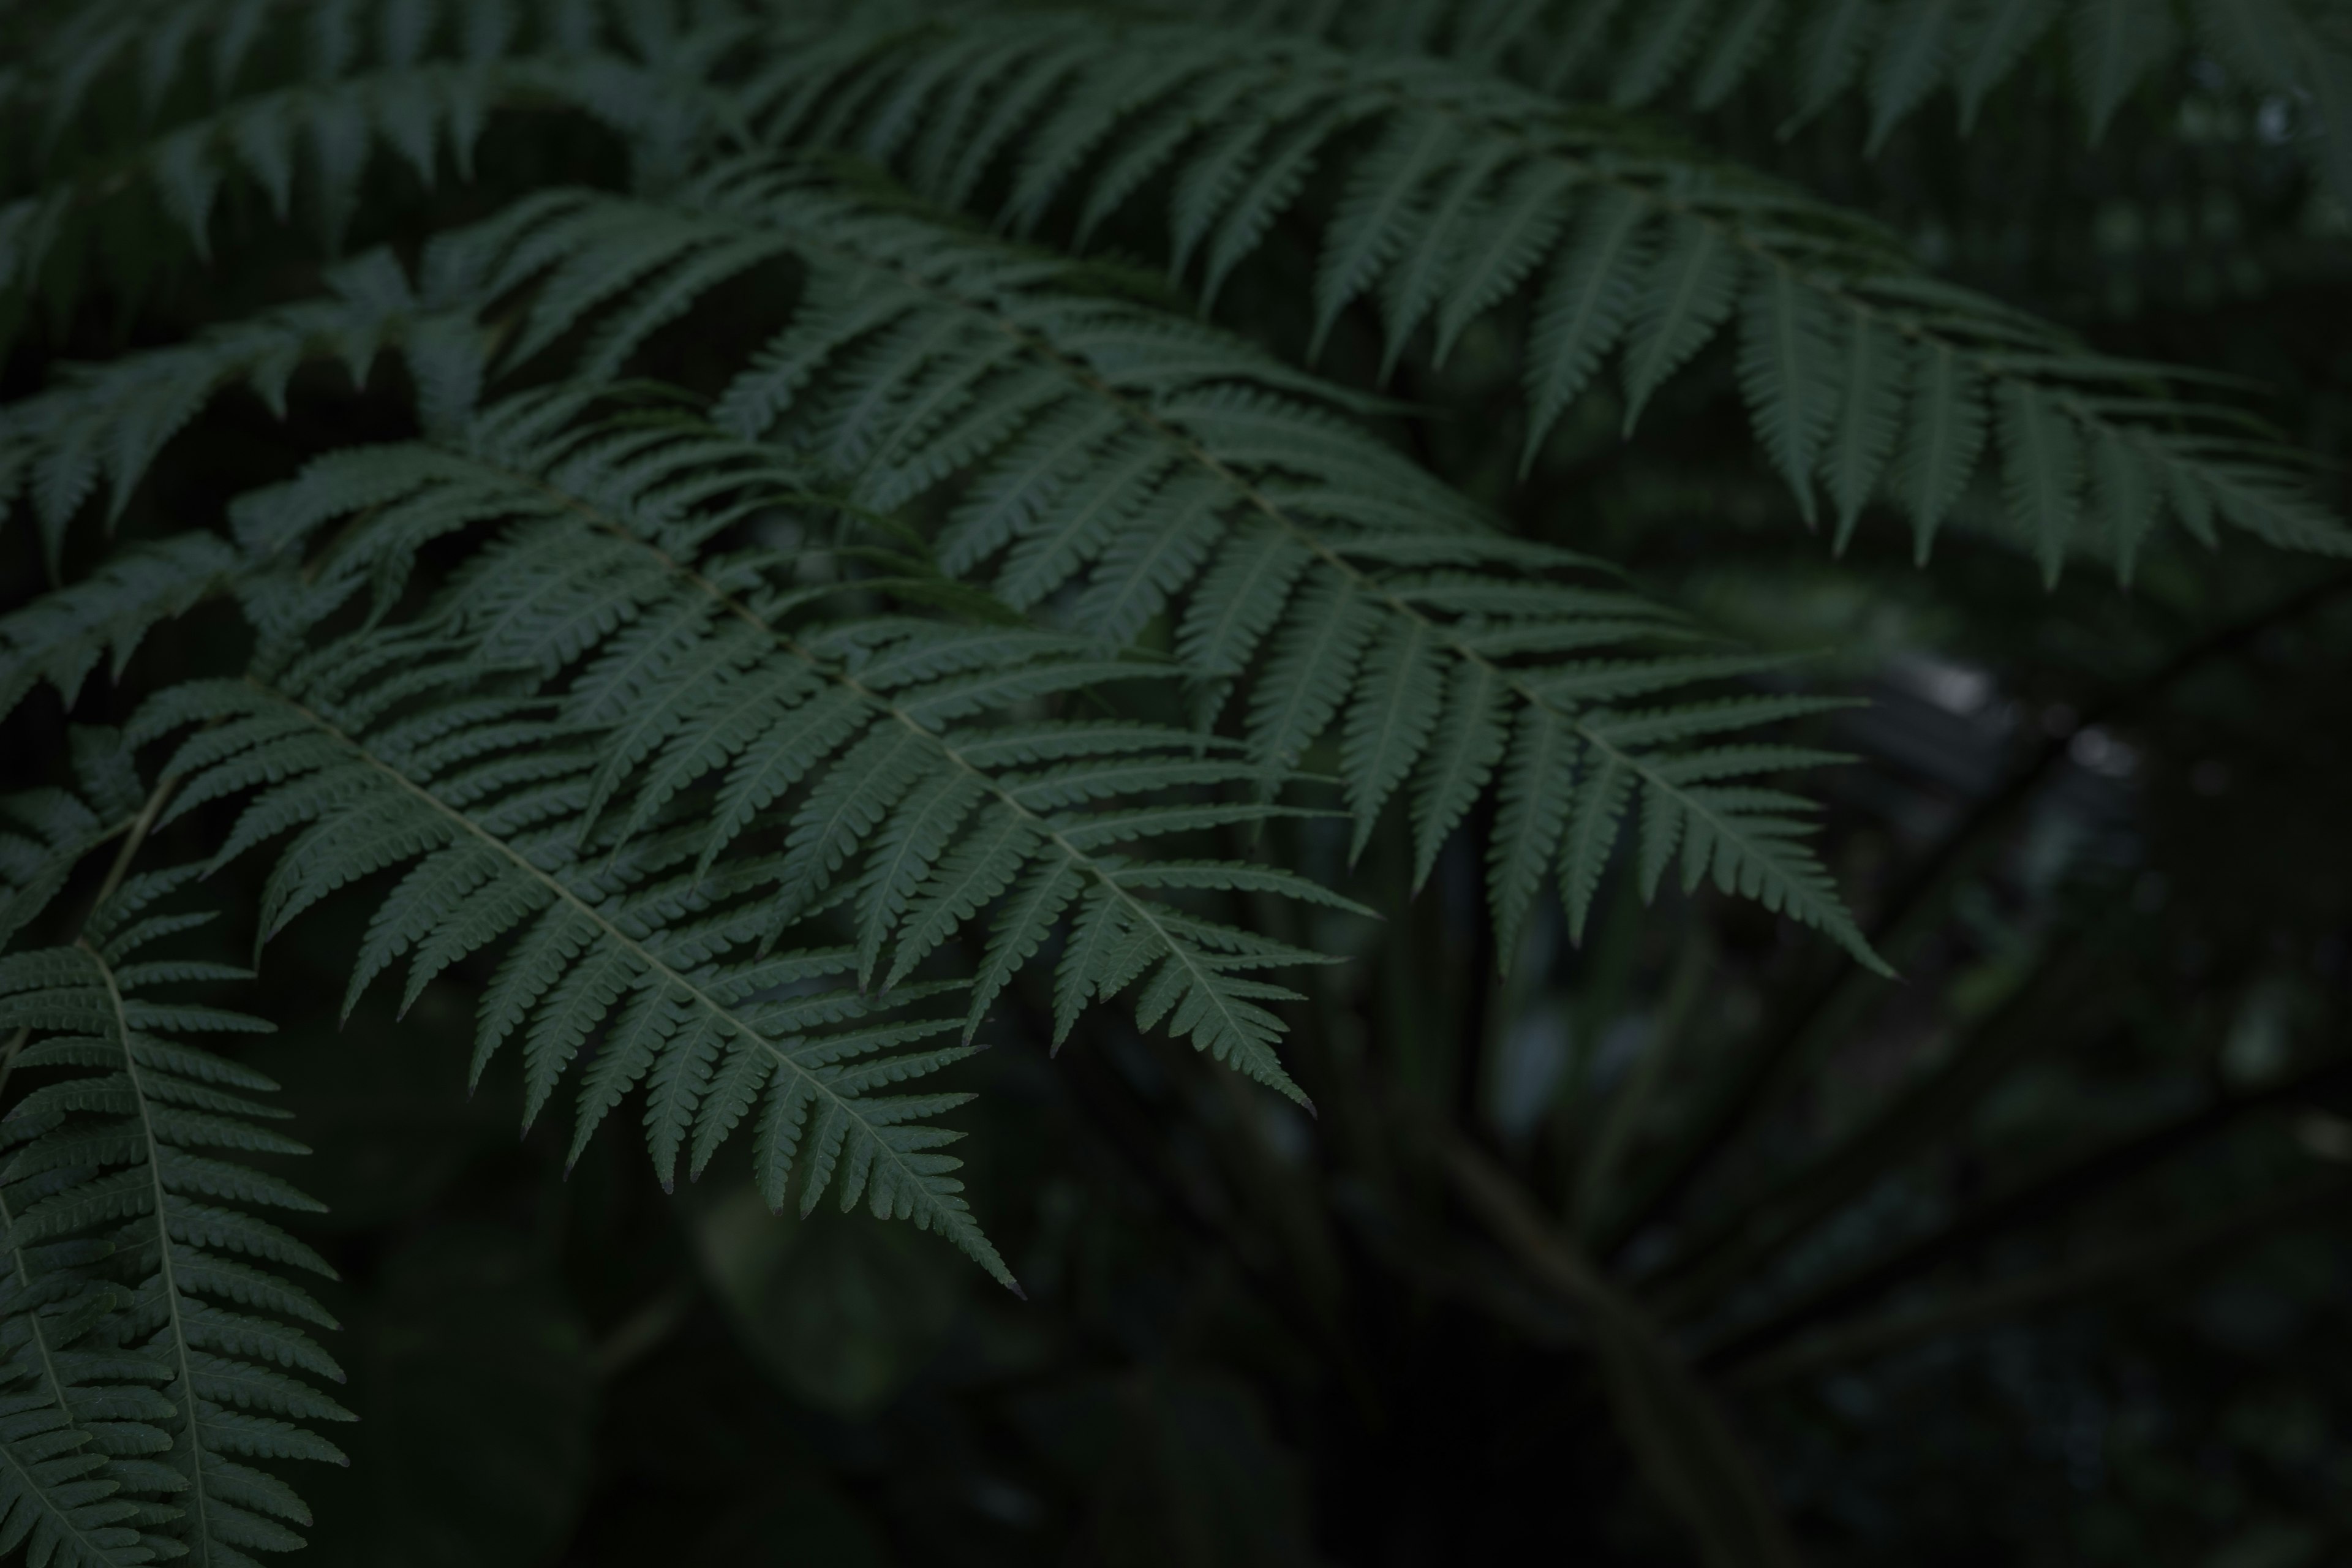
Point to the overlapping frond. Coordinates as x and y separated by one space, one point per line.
116 73
477 800
98 428
319 104
151 1321
1116 466
1459 191
624 737
1898 57
75 1488
45 832
62 636
903 756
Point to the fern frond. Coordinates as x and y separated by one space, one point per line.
331 128
62 636
75 1418
113 1180
1644 220
1898 55
630 939
45 833
187 60
622 551
102 425
1304 542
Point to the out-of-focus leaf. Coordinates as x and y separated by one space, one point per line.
1181 1470
841 1314
470 1374
804 1525
389 1104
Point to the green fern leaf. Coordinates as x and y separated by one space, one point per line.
1663 42
1868 419
1943 435
1739 44
60 638
124 1128
1831 51
1912 55
2042 471
1585 306
1538 780
1787 365
2001 35
1382 206
1689 293
2114 43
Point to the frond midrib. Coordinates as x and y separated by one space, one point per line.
28 1483
1827 917
819 1086
31 1487
1183 951
202 1535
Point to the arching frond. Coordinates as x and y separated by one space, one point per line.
684 762
60 638
45 833
129 1213
476 801
1587 212
1158 470
81 1420
230 94
73 1490
1899 56
100 427
626 551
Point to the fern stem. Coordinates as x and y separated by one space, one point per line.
2067 1182
136 831
2173 1253
1768 1066
199 1505
1370 586
1672 1421
684 984
32 1318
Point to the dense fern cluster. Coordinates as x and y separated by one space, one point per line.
979 608
1862 375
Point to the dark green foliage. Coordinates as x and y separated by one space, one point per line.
742 565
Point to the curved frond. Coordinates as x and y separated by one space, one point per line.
657 966
122 1185
61 638
101 425
1166 471
623 553
1900 56
229 95
1595 212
